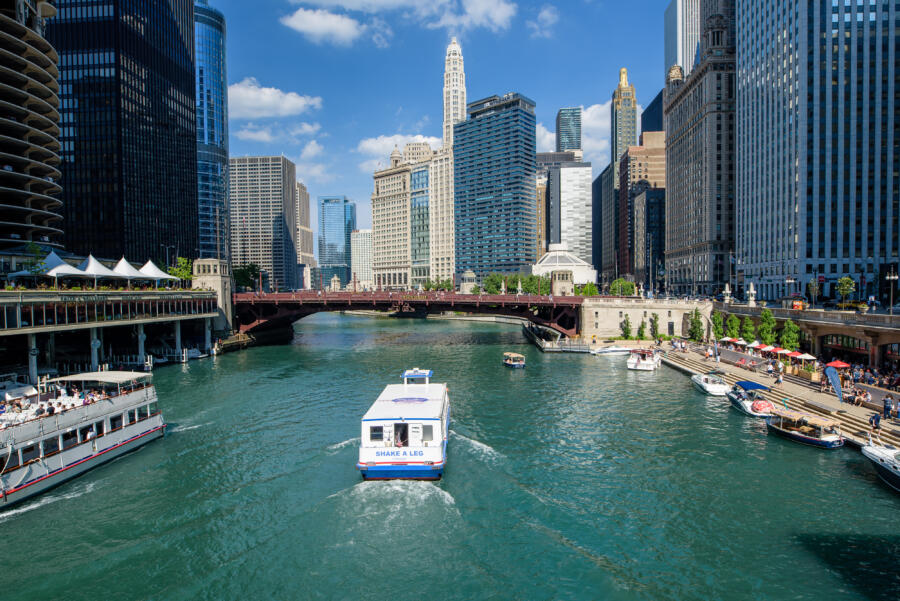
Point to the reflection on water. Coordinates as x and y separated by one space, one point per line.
868 563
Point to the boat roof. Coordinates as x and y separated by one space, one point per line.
106 377
417 373
514 355
799 416
409 402
747 385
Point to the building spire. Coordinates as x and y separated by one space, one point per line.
454 90
623 77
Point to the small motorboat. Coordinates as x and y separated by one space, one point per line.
712 383
514 360
806 429
611 351
747 398
886 461
643 360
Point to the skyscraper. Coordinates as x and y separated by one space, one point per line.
652 116
337 220
361 258
494 155
681 34
212 130
304 243
570 209
568 129
263 217
130 126
640 168
454 90
29 129
818 167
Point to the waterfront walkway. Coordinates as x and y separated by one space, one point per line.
798 395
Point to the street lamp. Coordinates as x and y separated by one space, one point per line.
891 278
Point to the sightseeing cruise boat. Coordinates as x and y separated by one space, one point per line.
712 383
612 351
643 360
805 428
404 432
747 398
514 360
85 420
886 461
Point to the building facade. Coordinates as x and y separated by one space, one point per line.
30 207
494 155
640 168
681 34
263 217
568 129
392 265
570 209
337 220
419 228
306 259
700 161
129 127
212 131
540 206
361 259
597 222
609 217
649 238
652 116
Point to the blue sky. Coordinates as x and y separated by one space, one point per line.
334 84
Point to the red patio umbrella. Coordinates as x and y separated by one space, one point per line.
794 354
837 365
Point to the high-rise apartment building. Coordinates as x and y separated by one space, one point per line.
494 155
818 166
640 168
700 161
568 129
337 220
212 131
419 228
361 259
681 34
570 208
129 126
29 128
263 217
649 237
304 238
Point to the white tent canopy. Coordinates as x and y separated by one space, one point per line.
96 269
152 272
53 267
124 269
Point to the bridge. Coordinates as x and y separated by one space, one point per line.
257 313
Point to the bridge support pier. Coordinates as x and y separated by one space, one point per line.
141 337
178 350
207 335
32 359
95 347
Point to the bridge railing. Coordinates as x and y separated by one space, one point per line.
400 297
814 315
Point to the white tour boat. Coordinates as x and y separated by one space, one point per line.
643 360
404 432
712 383
886 461
96 417
611 351
747 398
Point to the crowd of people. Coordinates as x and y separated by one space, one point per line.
24 409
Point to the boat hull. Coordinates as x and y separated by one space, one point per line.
514 365
888 475
711 389
736 403
401 472
807 440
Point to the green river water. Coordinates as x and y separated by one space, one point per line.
571 479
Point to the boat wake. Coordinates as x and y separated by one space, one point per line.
46 499
341 445
483 450
186 428
400 493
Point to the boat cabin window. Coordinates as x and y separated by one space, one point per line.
69 439
30 453
376 433
98 428
427 433
401 435
115 422
154 408
86 433
142 413
51 446
13 462
131 417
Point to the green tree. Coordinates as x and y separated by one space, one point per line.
642 329
733 326
476 289
621 287
183 269
654 325
813 288
246 276
748 330
492 283
718 324
766 329
845 287
589 289
626 327
790 336
695 331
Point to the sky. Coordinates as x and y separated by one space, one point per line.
334 84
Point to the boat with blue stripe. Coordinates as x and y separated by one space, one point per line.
804 428
404 433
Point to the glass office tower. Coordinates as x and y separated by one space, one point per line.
494 179
568 129
337 220
129 144
212 131
420 258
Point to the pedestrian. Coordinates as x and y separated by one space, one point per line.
888 406
875 422
779 380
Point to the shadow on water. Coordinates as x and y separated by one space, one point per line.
866 562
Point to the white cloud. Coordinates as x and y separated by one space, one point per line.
595 134
320 26
378 150
254 133
452 14
247 99
305 129
546 139
492 14
311 150
313 173
542 26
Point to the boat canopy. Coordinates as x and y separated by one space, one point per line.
799 416
106 377
747 385
513 356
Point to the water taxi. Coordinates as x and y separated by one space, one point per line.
83 421
514 360
805 428
612 351
747 398
404 432
712 383
643 360
886 461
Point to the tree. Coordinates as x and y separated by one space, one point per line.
626 327
492 283
476 289
695 331
641 330
246 276
718 324
790 336
748 330
654 325
845 287
589 289
621 287
733 326
813 288
183 269
766 329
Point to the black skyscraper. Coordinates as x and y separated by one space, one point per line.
129 151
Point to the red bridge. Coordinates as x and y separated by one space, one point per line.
263 312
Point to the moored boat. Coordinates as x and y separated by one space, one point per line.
643 360
806 429
886 461
514 360
712 383
404 432
95 418
747 398
611 351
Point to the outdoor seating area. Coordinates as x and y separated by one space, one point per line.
54 273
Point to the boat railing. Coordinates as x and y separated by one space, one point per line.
46 397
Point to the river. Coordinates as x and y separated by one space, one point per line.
571 479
